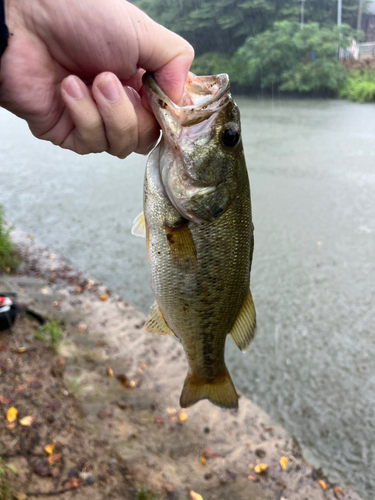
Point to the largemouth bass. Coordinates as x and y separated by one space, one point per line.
199 231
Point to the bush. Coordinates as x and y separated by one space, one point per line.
9 258
359 86
289 58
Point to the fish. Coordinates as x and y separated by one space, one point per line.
198 226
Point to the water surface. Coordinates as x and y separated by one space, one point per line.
312 173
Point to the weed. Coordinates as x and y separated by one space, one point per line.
9 258
5 490
359 86
141 493
51 333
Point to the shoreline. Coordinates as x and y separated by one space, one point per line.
204 449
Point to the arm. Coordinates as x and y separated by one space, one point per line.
73 68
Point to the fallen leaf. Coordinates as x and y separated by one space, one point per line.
171 411
269 429
44 291
52 256
73 483
322 484
12 468
21 496
7 269
61 361
49 448
258 469
132 384
109 372
11 426
339 494
55 457
78 290
182 416
195 496
253 478
4 401
27 421
21 350
12 414
103 297
55 304
283 462
202 458
19 388
82 328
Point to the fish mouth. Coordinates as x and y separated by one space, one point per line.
203 96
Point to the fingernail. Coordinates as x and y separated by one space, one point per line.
110 89
74 88
132 95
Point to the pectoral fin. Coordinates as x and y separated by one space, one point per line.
182 248
140 229
139 226
156 323
243 330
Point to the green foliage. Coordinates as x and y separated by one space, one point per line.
9 258
5 490
211 25
51 333
142 493
293 59
359 86
223 25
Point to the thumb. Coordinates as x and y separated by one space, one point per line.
165 54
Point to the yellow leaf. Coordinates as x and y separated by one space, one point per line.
109 372
103 297
202 458
258 469
12 414
182 417
283 462
322 484
27 421
195 496
49 448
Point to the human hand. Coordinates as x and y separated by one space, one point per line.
73 70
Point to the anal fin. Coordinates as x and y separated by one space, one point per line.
243 330
156 323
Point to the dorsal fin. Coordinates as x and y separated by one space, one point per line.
156 323
243 330
139 226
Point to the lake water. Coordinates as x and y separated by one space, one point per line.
312 174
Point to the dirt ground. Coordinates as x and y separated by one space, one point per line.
105 394
79 466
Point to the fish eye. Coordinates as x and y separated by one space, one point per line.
230 137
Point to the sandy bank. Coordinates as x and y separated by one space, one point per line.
205 449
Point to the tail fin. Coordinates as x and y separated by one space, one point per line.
220 391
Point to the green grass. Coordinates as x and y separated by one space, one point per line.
359 86
51 333
9 258
5 490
